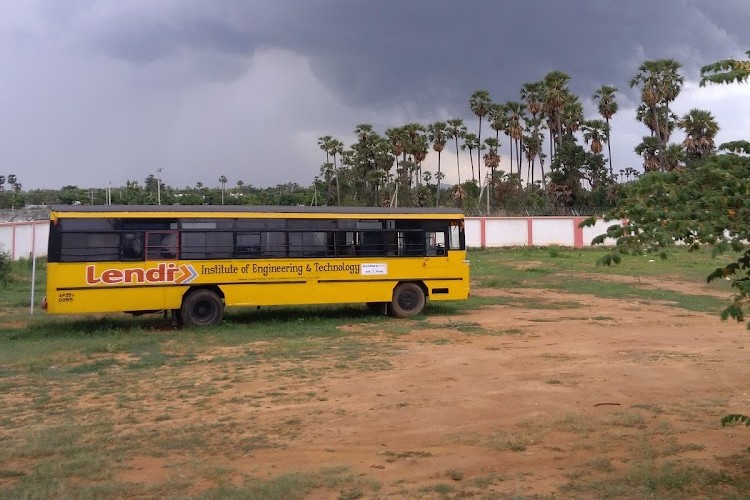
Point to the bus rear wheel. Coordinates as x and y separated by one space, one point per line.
408 300
201 308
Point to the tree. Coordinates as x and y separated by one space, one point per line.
700 130
457 130
704 205
491 161
480 104
726 71
438 135
554 95
514 128
605 97
595 134
660 84
471 142
223 181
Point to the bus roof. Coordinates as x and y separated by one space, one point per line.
239 210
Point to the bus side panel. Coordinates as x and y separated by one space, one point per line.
73 296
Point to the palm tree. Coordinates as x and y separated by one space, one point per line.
595 132
532 93
415 145
480 104
660 84
223 182
337 148
438 135
700 130
240 183
491 161
555 94
457 130
471 142
605 96
324 143
514 128
571 116
397 139
532 144
649 149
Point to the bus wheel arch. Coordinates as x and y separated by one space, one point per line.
409 299
202 306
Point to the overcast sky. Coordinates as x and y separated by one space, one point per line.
100 91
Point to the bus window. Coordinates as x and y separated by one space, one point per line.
435 243
206 245
161 245
455 237
307 244
131 246
248 245
274 244
82 247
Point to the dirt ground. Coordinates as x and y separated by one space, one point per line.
501 401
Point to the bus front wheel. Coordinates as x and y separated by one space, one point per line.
201 308
408 300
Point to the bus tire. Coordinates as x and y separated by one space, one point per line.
201 308
408 300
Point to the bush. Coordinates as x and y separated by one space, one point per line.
5 266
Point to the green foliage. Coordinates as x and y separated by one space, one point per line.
726 71
5 267
705 205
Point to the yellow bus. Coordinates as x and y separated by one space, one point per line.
196 260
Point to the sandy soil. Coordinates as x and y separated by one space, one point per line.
503 401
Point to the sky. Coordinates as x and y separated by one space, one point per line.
94 92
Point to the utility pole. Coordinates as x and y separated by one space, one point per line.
158 186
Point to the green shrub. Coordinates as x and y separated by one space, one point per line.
5 266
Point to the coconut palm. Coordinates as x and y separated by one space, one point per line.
700 130
457 130
438 135
605 97
480 104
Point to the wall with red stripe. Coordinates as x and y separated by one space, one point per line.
489 232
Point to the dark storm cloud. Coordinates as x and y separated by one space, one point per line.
383 53
114 89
